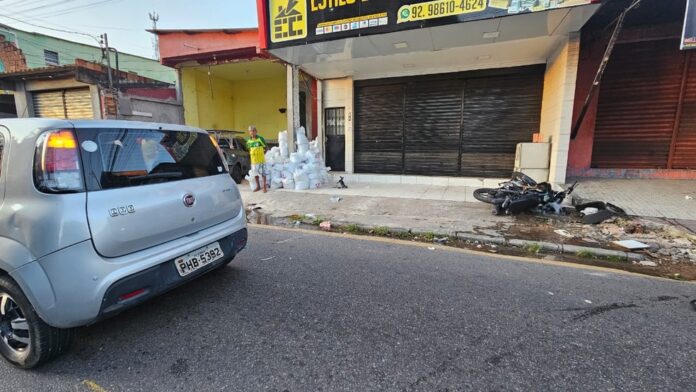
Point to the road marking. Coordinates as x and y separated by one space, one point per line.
93 386
470 252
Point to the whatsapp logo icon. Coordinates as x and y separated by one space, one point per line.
405 13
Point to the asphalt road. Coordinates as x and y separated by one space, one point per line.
307 312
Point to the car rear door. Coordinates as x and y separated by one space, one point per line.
149 186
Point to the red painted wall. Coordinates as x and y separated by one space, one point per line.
156 93
182 43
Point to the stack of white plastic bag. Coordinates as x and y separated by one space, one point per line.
303 169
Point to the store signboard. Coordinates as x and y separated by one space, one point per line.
689 32
298 22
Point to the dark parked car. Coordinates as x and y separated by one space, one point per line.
234 149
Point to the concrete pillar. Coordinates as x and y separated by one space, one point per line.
293 103
557 104
23 101
350 134
321 135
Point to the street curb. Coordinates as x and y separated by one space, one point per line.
502 241
546 246
552 246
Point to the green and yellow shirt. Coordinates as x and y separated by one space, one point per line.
256 147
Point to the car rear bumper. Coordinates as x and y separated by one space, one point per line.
161 278
76 286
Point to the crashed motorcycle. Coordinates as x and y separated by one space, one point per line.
523 194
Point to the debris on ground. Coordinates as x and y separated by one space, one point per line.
335 199
442 240
688 197
326 225
563 233
589 211
431 248
647 263
631 244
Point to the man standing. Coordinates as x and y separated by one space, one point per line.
257 149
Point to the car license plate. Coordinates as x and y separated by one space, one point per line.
198 259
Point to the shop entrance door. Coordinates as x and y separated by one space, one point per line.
334 125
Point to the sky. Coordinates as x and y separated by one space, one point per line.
125 21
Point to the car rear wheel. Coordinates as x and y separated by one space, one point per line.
26 341
237 174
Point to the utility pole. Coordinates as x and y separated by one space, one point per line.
154 17
107 53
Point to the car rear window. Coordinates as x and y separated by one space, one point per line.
118 158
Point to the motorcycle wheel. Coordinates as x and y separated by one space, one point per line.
486 195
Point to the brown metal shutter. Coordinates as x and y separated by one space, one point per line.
499 113
78 103
379 129
637 107
67 104
433 127
48 104
685 144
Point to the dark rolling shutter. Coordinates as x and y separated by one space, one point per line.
464 124
379 129
499 112
637 106
432 127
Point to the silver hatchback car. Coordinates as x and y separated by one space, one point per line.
98 216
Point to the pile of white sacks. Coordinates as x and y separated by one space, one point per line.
303 169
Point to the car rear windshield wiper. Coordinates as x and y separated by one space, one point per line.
154 176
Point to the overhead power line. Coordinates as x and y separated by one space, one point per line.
51 28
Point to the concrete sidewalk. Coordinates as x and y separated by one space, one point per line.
647 198
420 208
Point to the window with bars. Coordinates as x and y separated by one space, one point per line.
334 119
51 57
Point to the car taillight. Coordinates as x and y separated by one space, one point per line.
56 163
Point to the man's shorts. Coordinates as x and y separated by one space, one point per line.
260 168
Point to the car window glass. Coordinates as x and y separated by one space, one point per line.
242 144
130 157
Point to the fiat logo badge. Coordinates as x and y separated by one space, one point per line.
189 200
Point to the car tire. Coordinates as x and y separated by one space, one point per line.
26 341
237 174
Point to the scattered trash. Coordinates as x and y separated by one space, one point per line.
431 248
550 293
688 197
268 258
563 233
442 240
479 246
647 263
631 244
336 199
341 184
589 211
588 301
325 225
597 218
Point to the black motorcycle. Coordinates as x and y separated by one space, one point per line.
522 194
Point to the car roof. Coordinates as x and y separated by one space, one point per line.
23 126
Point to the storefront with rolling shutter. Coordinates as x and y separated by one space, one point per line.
434 92
642 123
71 104
465 124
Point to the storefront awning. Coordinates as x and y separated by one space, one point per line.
521 39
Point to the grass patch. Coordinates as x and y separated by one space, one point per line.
297 218
381 230
615 259
429 236
533 248
352 228
317 221
585 254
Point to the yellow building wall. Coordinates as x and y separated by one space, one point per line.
256 102
234 105
207 103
